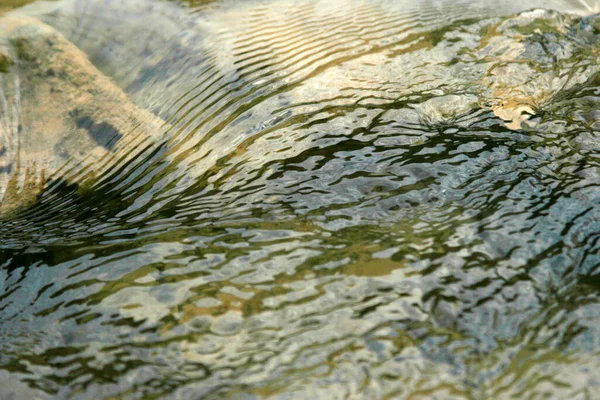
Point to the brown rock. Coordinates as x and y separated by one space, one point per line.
60 116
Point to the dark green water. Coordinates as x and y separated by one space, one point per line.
347 200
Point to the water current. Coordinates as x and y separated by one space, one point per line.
360 199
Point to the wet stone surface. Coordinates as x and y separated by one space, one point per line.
59 111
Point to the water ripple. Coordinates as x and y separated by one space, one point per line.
313 199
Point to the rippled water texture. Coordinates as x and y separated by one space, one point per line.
299 199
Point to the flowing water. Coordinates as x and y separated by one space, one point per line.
359 199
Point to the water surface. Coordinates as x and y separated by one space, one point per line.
343 199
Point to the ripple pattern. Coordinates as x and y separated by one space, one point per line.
315 199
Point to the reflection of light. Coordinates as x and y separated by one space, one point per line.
586 5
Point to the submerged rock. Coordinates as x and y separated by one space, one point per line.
186 69
533 57
61 117
61 112
511 55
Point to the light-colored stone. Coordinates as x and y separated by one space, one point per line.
61 118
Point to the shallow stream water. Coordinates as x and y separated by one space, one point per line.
359 199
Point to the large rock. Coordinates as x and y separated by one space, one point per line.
61 118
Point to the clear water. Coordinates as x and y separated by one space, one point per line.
342 199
